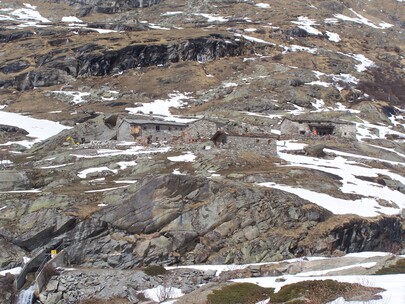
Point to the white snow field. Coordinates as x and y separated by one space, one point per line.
38 129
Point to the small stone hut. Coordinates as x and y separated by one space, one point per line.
203 129
261 143
148 130
317 124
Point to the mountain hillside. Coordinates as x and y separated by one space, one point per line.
150 133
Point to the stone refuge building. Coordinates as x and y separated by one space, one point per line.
147 130
317 124
223 134
263 143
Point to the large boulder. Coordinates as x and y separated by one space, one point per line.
315 150
14 180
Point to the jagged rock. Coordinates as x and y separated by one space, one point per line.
10 255
55 69
157 206
39 228
7 293
14 67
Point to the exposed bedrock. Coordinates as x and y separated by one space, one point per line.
184 219
92 60
173 219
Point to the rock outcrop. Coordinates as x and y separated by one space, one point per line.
64 65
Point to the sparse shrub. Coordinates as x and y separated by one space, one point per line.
164 292
243 293
155 270
277 57
398 267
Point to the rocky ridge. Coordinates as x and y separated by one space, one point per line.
240 62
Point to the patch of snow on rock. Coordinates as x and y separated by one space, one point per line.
71 19
307 24
177 172
77 97
105 189
83 174
333 36
362 20
161 293
252 39
29 13
39 129
262 5
299 48
161 107
171 13
212 18
188 157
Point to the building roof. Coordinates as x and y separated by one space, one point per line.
325 117
154 122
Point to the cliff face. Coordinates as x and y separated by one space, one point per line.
183 219
242 65
68 62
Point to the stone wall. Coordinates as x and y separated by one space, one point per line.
165 132
202 129
264 145
345 130
290 128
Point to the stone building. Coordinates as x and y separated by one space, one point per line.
203 129
258 143
250 142
317 124
148 131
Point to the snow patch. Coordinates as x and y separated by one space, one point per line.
307 24
362 20
83 174
212 18
71 19
38 129
333 36
262 5
161 107
188 157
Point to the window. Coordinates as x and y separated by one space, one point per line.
300 122
257 141
302 132
157 128
170 128
144 127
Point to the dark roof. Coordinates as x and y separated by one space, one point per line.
325 117
154 122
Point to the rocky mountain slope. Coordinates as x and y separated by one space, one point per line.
69 68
